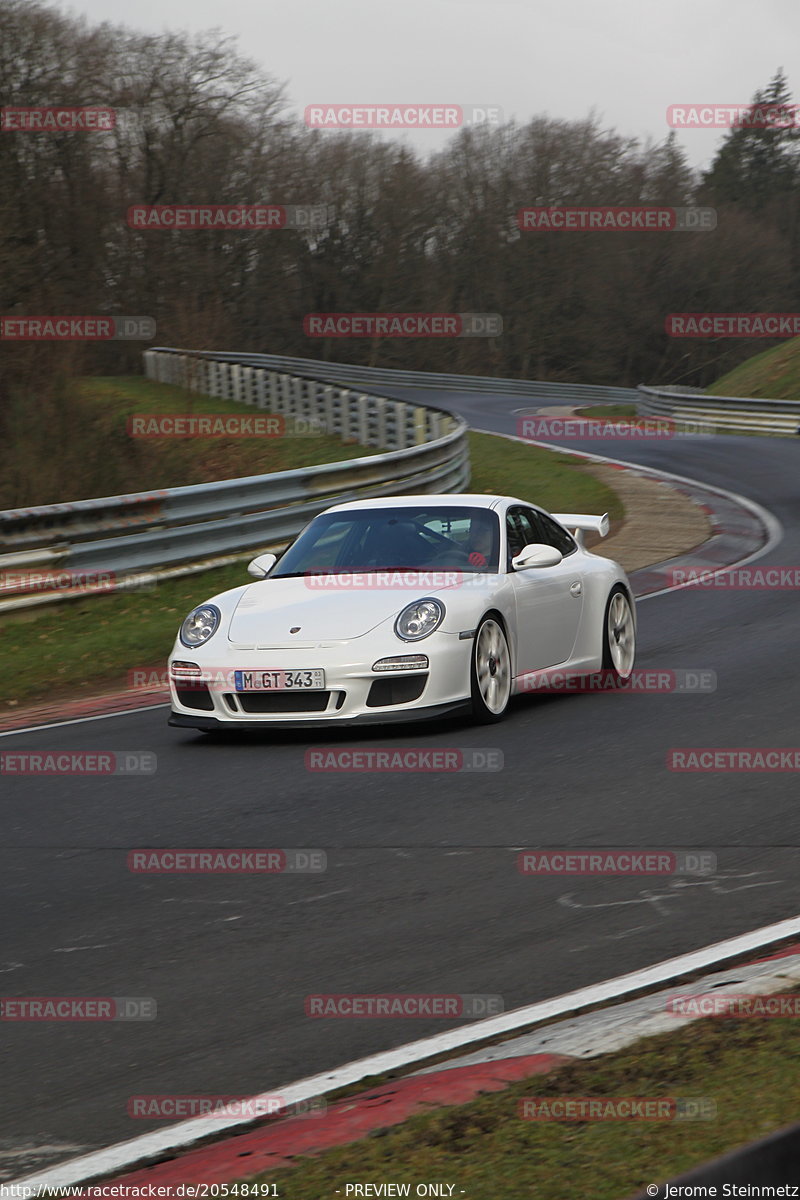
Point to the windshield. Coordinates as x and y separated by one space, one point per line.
376 539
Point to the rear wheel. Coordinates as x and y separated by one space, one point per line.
619 634
490 673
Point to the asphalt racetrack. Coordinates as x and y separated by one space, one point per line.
421 892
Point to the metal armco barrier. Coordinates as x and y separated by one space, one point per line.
724 413
139 538
133 540
563 393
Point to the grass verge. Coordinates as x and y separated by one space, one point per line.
78 445
78 646
748 1068
170 462
773 374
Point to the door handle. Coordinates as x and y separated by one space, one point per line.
576 588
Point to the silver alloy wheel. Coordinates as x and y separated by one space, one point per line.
621 634
492 667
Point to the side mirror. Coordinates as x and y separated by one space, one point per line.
536 554
261 565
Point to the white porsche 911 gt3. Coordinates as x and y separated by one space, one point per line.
403 608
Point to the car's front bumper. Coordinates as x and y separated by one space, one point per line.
210 724
353 693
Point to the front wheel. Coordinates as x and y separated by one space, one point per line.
619 634
490 672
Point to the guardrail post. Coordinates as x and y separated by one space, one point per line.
328 410
381 435
273 392
343 405
244 383
319 402
399 411
200 374
261 397
360 413
308 400
286 395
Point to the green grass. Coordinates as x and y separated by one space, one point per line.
555 481
747 1068
169 462
774 374
75 444
74 647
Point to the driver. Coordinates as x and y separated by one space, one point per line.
481 540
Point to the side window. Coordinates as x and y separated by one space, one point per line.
519 532
551 533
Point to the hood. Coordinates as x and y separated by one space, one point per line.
327 609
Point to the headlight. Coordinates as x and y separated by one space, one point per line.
419 619
201 624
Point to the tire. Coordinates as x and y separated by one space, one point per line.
619 635
490 672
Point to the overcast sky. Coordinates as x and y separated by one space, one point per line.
625 59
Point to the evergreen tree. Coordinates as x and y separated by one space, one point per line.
757 164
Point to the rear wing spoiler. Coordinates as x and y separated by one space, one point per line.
581 523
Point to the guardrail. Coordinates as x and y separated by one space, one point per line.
737 414
119 542
122 542
578 393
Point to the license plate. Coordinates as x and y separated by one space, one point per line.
280 681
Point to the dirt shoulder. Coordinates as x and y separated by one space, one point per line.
660 522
